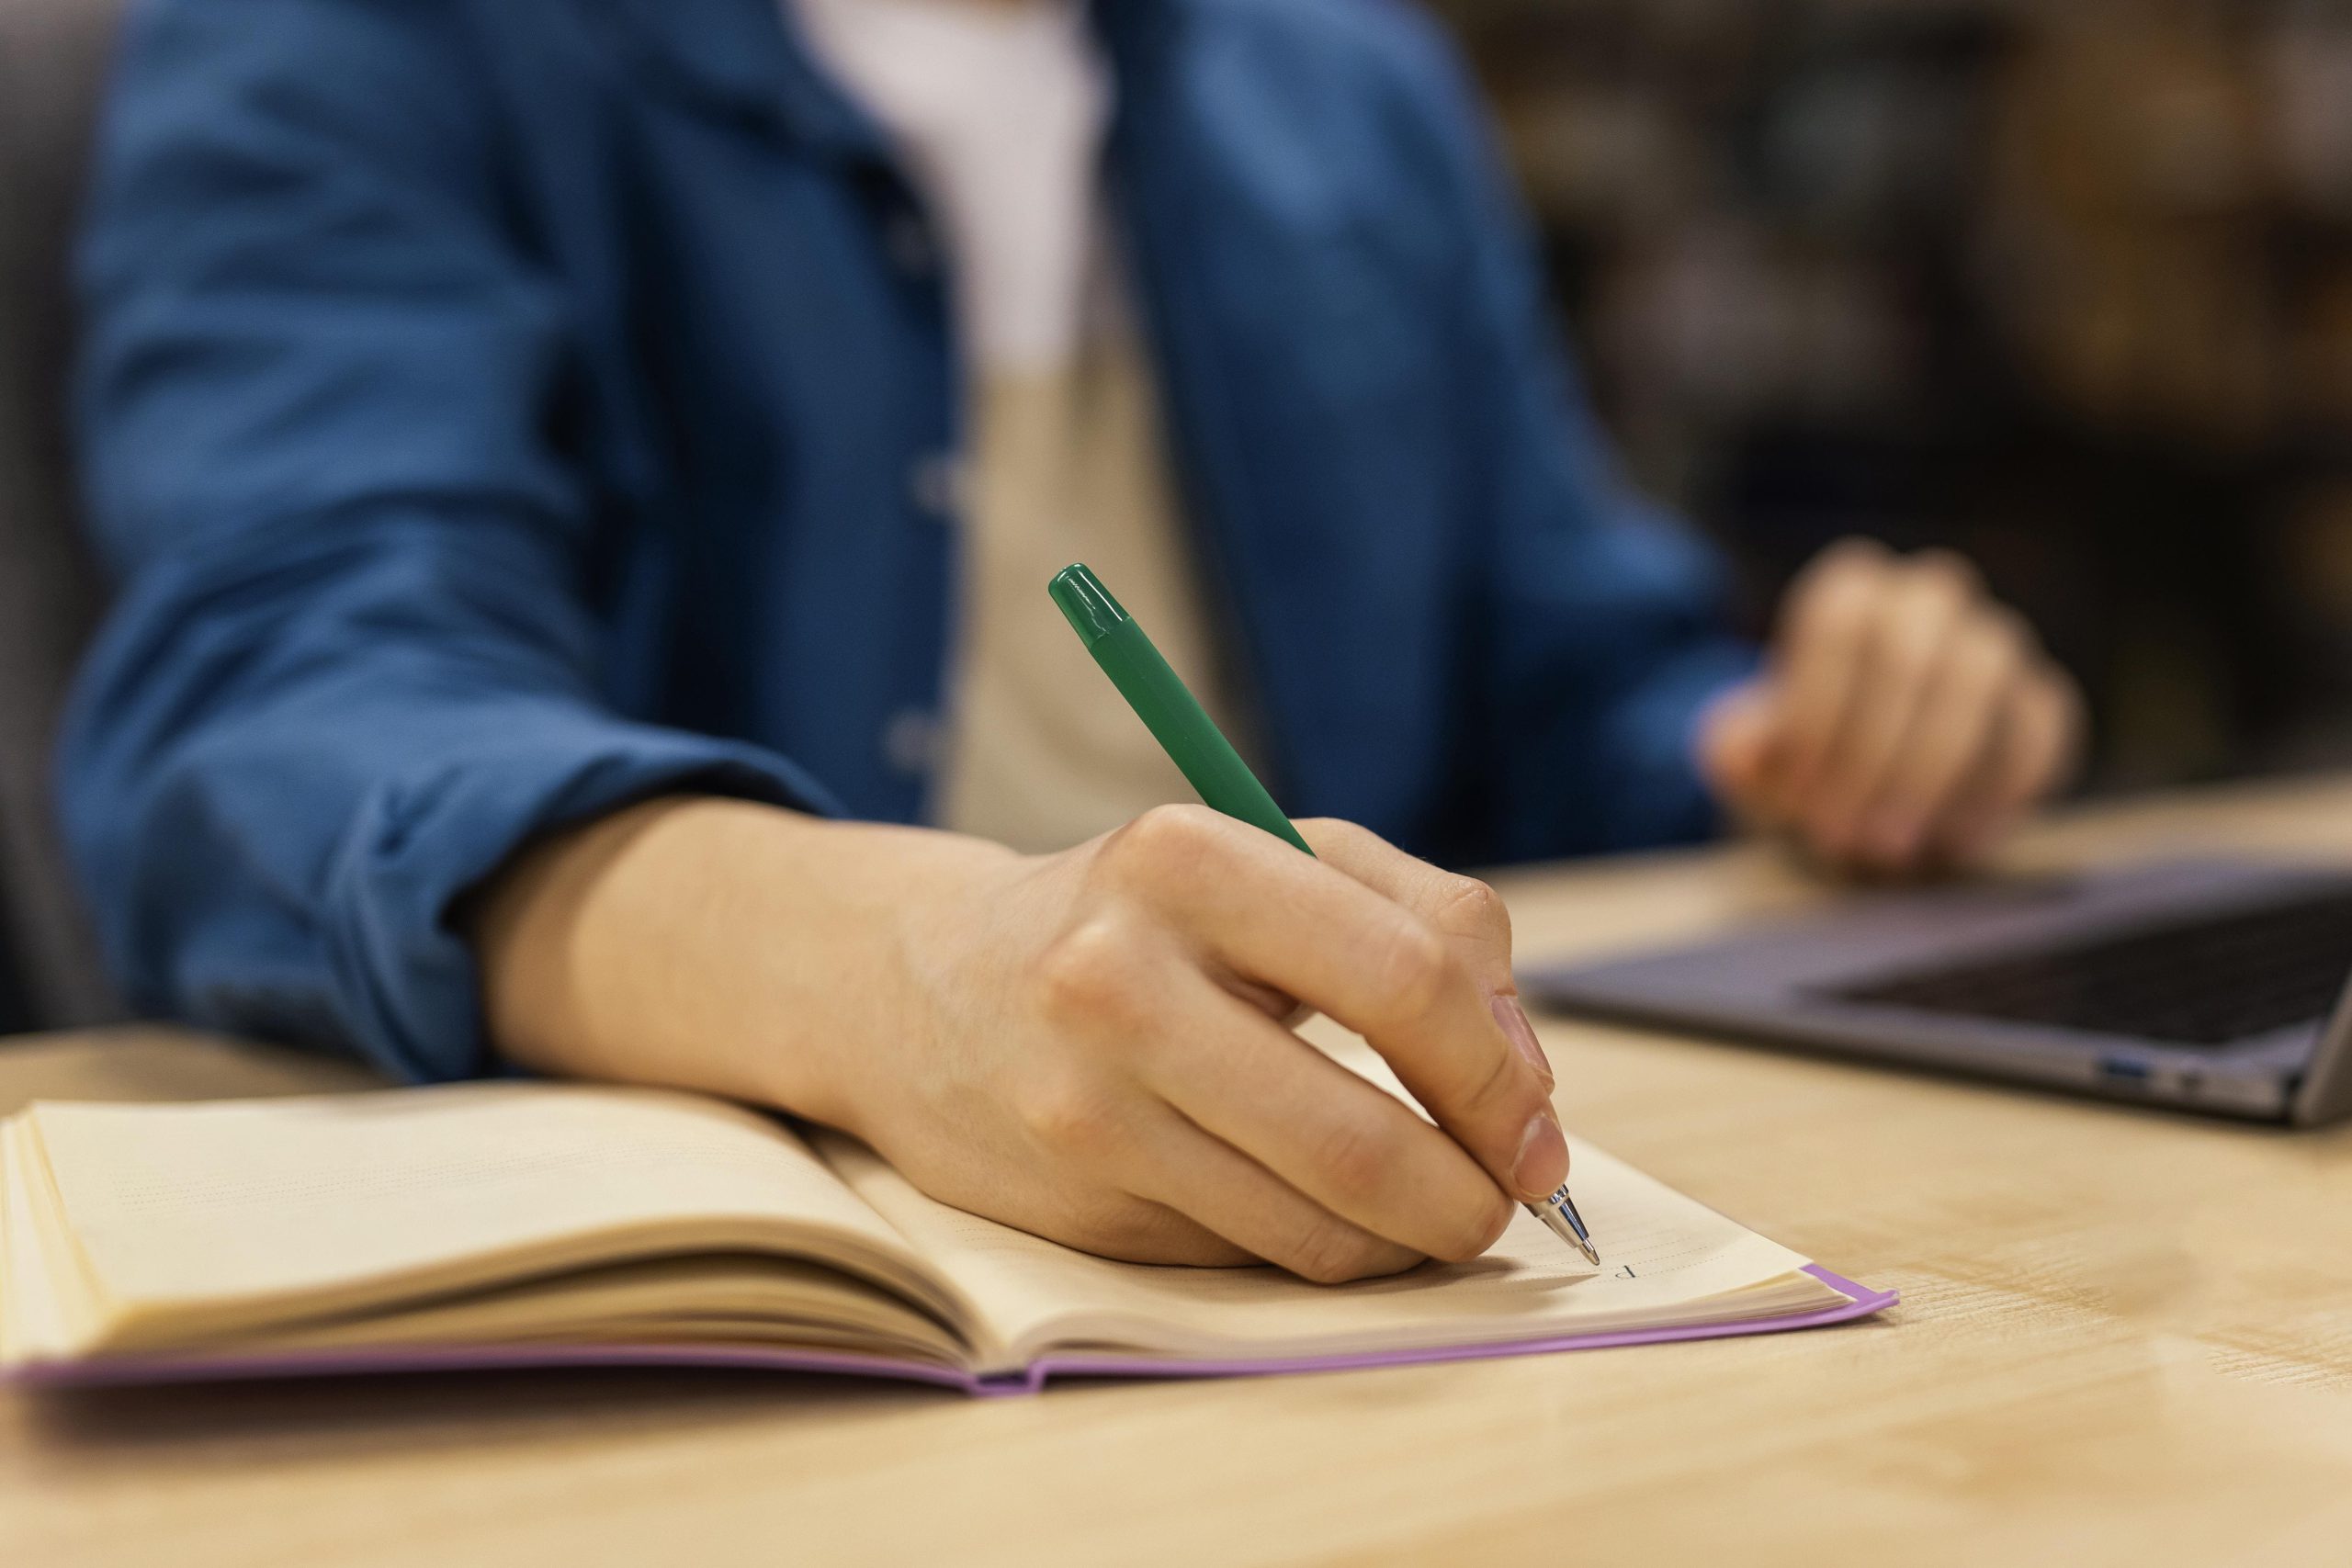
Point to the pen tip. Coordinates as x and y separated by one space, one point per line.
1591 1253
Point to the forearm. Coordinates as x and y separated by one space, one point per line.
642 947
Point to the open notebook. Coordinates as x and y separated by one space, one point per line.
512 1223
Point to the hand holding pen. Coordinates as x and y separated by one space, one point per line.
1226 784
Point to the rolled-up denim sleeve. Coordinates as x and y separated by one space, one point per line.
352 665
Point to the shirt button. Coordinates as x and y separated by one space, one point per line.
937 485
911 742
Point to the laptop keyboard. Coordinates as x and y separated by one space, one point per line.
2205 980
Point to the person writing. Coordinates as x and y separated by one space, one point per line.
583 475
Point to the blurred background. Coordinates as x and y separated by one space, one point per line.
2065 285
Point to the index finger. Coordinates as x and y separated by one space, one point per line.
1468 911
1285 919
1471 914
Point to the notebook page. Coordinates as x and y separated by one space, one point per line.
37 1318
1668 1260
736 1298
206 1214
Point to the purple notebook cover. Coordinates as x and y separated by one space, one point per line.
1862 1302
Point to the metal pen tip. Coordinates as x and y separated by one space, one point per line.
1559 1215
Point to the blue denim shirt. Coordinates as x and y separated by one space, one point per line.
497 410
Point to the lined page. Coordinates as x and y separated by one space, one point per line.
1666 1260
205 1214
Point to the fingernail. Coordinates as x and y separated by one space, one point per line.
1543 1162
1513 1019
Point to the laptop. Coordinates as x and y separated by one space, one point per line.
2209 984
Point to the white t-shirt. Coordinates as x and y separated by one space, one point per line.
999 109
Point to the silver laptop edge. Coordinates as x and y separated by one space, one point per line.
1771 983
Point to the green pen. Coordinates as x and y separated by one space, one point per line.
1209 762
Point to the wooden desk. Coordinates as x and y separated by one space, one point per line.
2126 1337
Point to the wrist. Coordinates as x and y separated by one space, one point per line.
717 945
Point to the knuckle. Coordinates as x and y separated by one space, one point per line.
1468 905
1334 831
1838 572
1088 974
1855 554
1835 597
1163 839
1913 637
1069 1115
1947 568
